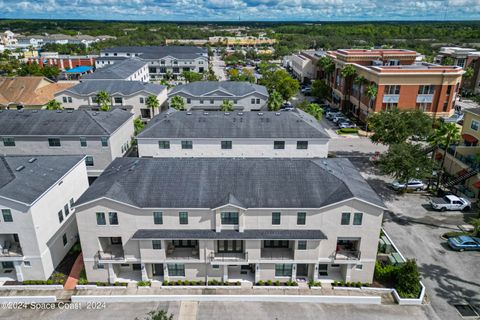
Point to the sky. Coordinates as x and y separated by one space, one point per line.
246 10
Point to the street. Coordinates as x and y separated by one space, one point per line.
218 67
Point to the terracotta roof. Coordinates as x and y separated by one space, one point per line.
29 91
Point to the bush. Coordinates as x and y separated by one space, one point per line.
144 283
408 280
335 283
186 283
385 273
277 283
269 282
341 283
358 284
261 283
348 130
312 283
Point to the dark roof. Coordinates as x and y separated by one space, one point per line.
110 58
253 182
158 52
219 89
30 182
229 234
61 123
114 87
473 110
117 71
217 124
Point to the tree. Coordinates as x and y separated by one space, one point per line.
469 72
447 61
54 105
315 110
320 89
191 76
138 125
280 81
227 106
103 100
408 280
275 101
348 72
178 103
327 65
288 87
447 134
158 315
152 103
372 91
359 82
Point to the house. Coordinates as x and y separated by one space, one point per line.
246 219
100 136
28 92
127 95
132 69
38 225
464 58
209 95
304 65
233 134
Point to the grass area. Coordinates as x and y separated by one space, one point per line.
343 131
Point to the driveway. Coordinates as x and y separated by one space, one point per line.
218 67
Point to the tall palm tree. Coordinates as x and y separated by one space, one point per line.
275 101
348 72
372 91
152 103
104 100
328 66
359 81
227 106
178 103
449 134
54 105
315 110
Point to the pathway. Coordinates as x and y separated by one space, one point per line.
74 273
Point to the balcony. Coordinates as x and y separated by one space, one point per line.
277 254
11 250
347 249
347 255
182 250
111 253
229 257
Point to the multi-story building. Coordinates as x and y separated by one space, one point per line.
39 40
38 225
62 61
100 136
8 39
126 95
401 82
132 69
233 134
232 219
465 58
304 65
209 95
162 60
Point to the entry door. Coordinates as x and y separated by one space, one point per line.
302 270
158 270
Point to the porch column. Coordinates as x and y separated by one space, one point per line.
294 272
18 270
218 221
111 273
315 272
348 273
241 222
225 273
257 272
144 272
165 272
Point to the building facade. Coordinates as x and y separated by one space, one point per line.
38 219
132 69
63 62
304 65
464 58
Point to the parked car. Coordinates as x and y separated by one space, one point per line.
339 118
346 124
330 115
462 243
412 184
451 203
287 106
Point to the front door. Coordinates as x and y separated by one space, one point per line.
302 270
158 270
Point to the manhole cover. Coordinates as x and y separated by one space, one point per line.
466 310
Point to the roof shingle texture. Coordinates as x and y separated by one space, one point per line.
117 71
158 52
113 87
222 88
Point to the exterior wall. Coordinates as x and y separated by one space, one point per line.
140 75
240 148
64 63
303 67
240 103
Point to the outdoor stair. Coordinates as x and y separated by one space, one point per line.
461 178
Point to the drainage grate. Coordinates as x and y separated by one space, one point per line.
466 310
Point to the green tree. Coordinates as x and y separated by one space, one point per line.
320 89
328 67
191 76
104 100
152 103
54 105
448 61
469 72
372 91
359 82
275 101
408 280
315 110
282 82
227 106
178 103
348 72
138 125
447 134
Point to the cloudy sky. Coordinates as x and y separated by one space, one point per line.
196 10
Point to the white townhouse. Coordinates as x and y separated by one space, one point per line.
37 218
100 136
161 59
245 219
127 95
267 134
132 69
209 95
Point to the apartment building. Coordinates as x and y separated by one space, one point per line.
235 219
233 134
62 61
465 58
126 95
162 60
304 65
100 136
209 95
38 225
132 69
402 83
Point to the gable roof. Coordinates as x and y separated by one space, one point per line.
30 182
217 124
159 52
61 123
253 182
112 87
117 71
231 88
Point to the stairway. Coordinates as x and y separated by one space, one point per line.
461 178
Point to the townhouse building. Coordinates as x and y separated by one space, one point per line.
37 221
233 134
209 95
465 58
132 69
304 65
126 95
245 219
100 136
162 60
401 82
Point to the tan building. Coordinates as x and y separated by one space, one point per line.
304 65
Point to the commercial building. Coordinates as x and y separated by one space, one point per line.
235 219
38 41
38 225
465 58
304 65
132 69
63 61
233 134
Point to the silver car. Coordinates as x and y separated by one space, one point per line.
412 184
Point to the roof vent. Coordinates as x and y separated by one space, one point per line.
34 111
59 111
277 113
189 113
240 113
260 113
20 168
32 160
205 113
227 113
69 111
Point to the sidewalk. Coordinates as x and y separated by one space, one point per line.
74 273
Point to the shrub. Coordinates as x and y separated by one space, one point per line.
341 284
82 281
261 283
358 284
237 283
385 273
348 130
366 284
186 283
269 282
277 283
49 281
165 283
179 282
144 283
408 280
335 283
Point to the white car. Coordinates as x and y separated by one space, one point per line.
412 184
451 203
346 124
330 115
339 118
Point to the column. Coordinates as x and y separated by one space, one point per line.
241 222
18 270
218 221
257 272
315 272
225 273
144 272
111 273
348 273
294 272
165 272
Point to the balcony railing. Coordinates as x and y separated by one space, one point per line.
277 254
13 250
347 255
112 253
182 254
229 256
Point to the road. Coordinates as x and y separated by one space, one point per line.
218 67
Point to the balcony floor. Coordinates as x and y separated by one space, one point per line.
183 254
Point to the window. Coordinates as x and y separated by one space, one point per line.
323 269
94 99
302 245
278 144
345 218
64 99
7 215
189 100
275 244
187 144
116 240
9 142
64 239
113 218
392 89
7 265
60 216
142 100
53 142
183 217
252 101
162 61
104 141
101 219
225 246
201 101
157 244
258 101
359 267
215 266
83 141
164 144
176 70
158 218
27 263
390 106
226 144
357 218
229 217
211 101
301 218
428 89
71 202
89 161
70 99
275 217
302 144
424 106
474 125
66 209
118 100
176 270
283 270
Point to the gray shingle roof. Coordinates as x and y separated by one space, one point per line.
474 110
35 178
217 124
61 123
229 234
114 87
158 52
254 182
117 71
223 89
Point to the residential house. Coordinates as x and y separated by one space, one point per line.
464 58
132 69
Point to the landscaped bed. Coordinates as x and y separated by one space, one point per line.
270 283
200 283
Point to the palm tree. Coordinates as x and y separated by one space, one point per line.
226 106
348 72
103 100
152 103
54 105
448 134
275 101
328 66
315 110
359 81
178 103
372 91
